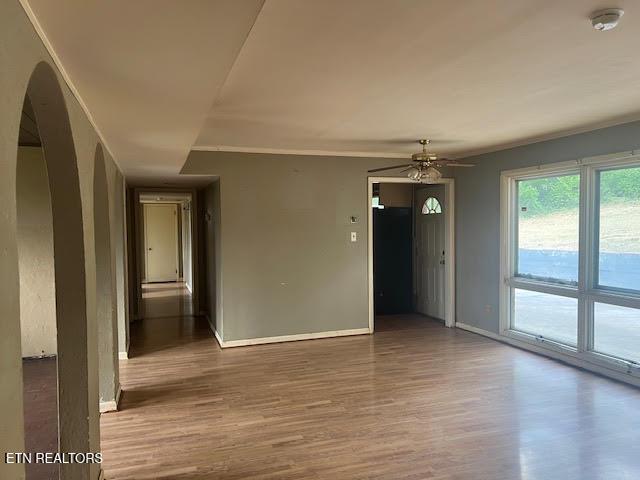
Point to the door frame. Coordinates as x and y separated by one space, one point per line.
146 238
450 255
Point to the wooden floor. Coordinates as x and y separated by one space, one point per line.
414 401
40 389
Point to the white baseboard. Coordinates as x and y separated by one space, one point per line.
284 338
479 331
218 337
123 355
292 338
188 287
111 405
575 362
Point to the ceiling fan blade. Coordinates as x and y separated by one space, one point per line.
389 168
445 162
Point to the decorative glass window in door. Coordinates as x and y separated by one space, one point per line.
431 206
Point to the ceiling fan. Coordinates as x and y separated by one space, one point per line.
424 167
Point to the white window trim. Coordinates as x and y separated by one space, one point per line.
585 292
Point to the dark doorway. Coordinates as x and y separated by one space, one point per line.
392 260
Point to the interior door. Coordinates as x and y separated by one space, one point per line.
161 242
430 250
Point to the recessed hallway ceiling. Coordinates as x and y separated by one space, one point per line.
367 76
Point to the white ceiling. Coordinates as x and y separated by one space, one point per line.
147 70
341 76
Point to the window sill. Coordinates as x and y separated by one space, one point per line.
612 367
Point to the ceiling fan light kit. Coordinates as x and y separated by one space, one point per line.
424 168
427 175
607 19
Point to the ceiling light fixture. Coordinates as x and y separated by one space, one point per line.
425 165
607 19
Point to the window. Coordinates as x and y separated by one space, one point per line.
431 205
375 199
548 228
619 233
571 259
375 203
617 331
547 316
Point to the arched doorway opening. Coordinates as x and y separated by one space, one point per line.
105 289
51 267
37 296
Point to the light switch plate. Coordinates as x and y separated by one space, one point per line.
354 236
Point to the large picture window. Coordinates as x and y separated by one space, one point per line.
548 228
571 259
618 209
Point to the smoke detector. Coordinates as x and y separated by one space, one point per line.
608 19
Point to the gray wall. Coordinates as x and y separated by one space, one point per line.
283 232
478 212
212 252
119 231
35 250
285 260
106 304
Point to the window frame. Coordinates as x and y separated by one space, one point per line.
587 291
596 231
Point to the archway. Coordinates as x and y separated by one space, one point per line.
37 296
105 290
61 229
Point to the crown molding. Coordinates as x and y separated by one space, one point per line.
65 76
293 151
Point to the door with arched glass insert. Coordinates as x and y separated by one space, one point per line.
430 251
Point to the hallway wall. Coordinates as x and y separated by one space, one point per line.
212 272
119 233
20 51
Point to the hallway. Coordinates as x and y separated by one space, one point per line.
411 402
165 300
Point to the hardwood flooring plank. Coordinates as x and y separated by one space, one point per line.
414 401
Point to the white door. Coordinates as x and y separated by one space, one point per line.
161 242
430 250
